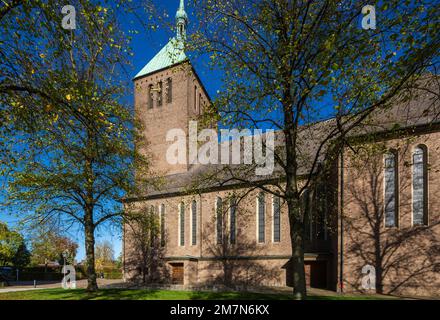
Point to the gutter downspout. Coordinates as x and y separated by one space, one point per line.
341 266
200 235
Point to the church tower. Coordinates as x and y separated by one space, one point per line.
168 94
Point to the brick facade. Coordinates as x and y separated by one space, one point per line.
406 256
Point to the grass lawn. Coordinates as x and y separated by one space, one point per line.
123 294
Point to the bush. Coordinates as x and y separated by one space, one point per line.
43 269
113 275
40 276
52 274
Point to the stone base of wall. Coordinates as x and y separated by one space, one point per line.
239 274
404 291
211 288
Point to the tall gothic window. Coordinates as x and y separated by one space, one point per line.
276 219
195 98
308 216
261 219
152 225
182 224
219 220
162 225
194 223
391 190
420 186
160 94
150 96
232 220
169 90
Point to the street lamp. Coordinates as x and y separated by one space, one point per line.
65 256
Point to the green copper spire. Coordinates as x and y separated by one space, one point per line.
181 21
173 53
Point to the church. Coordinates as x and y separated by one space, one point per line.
380 215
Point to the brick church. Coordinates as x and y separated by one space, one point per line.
381 208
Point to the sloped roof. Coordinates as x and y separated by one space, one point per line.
173 53
422 110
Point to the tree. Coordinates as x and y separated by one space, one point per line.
32 42
13 249
73 157
22 257
104 256
389 250
118 262
148 239
50 245
289 64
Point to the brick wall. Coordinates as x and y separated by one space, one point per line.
406 257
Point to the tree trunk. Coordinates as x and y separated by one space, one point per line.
90 254
293 196
89 224
297 241
144 273
378 260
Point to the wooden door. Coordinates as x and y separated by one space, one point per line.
315 272
318 275
177 273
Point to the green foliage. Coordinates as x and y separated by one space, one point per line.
301 58
13 249
118 262
75 149
287 65
49 246
148 242
67 137
22 257
104 257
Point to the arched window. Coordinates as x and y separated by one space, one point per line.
391 190
194 223
160 94
276 219
219 220
150 96
308 216
232 220
162 224
420 186
195 99
152 225
182 224
169 90
261 218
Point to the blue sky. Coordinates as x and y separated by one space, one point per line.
145 45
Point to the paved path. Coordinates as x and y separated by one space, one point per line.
119 284
29 285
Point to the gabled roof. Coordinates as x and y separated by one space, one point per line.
173 53
422 111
